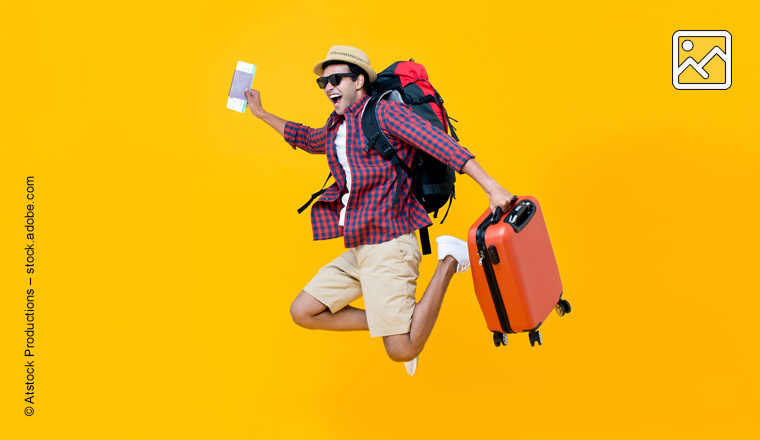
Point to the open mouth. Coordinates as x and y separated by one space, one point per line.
335 98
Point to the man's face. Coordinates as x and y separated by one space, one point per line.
346 92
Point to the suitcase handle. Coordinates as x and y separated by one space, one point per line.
496 215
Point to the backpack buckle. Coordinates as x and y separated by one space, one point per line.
388 150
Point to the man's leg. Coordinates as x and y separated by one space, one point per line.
403 348
453 256
309 313
332 288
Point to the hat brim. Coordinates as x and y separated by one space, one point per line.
366 67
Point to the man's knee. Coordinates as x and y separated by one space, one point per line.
298 313
400 348
304 308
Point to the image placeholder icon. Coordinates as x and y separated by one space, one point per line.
702 60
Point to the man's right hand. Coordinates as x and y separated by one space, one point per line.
254 103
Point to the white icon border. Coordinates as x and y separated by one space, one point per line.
695 86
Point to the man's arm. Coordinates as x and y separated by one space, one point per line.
254 104
497 196
298 136
412 129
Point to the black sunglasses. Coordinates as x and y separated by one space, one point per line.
334 79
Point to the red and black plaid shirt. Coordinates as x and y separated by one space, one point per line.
371 216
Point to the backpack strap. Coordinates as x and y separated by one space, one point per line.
420 100
451 199
451 127
377 140
315 195
425 240
452 132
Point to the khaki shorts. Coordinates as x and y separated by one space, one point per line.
386 274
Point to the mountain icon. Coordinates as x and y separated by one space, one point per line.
700 66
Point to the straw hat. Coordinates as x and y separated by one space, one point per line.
350 55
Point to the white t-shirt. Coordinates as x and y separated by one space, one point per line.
340 149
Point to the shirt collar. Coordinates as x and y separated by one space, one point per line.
356 108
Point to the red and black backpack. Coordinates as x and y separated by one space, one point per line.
432 181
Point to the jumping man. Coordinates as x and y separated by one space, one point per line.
382 258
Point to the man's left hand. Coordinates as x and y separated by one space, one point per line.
499 197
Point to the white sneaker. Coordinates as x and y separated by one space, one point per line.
411 366
448 245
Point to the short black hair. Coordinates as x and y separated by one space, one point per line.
353 68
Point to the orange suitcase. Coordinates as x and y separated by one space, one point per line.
516 278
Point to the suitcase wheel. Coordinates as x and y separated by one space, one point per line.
499 339
562 308
534 337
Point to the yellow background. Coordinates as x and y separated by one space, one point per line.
168 248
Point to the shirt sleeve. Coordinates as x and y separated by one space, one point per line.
311 140
402 122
